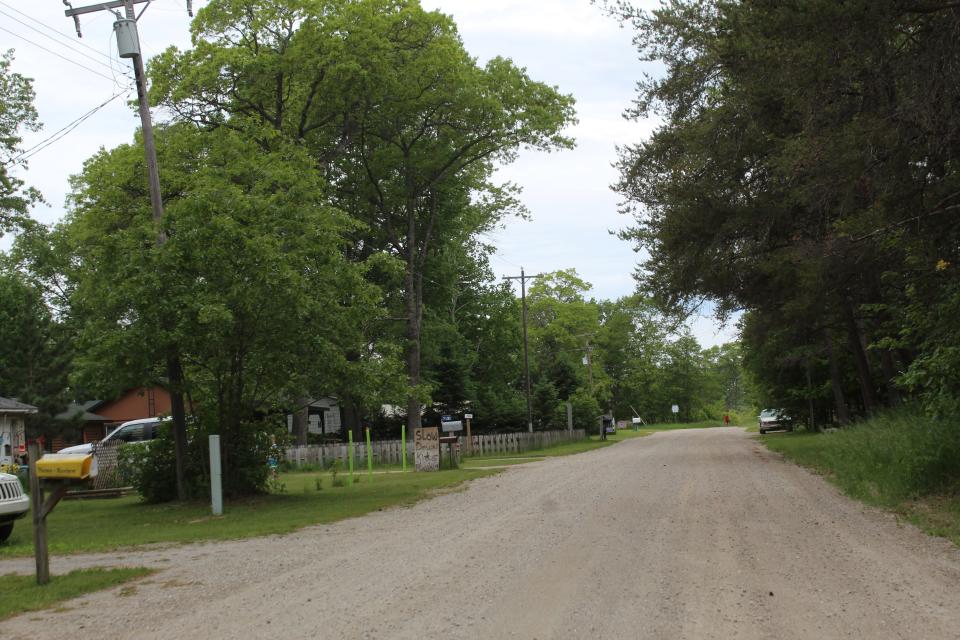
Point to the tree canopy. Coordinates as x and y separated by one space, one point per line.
806 173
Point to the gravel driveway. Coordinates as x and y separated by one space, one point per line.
685 534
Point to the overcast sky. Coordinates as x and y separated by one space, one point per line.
567 43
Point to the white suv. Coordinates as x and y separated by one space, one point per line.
142 430
14 503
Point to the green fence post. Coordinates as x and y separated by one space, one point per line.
350 454
369 455
403 446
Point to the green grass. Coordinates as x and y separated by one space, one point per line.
903 461
103 525
20 594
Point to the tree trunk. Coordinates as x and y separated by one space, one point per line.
860 359
413 299
811 407
414 305
301 420
843 416
175 380
349 416
889 373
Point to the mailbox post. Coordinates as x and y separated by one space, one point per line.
61 471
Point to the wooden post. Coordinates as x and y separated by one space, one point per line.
469 439
39 522
403 445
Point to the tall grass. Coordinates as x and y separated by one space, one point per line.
896 456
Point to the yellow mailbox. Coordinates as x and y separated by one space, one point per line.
67 466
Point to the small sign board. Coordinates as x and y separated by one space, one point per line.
451 425
675 408
468 416
638 421
426 449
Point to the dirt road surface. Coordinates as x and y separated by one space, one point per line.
687 534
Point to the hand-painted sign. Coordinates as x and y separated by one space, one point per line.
426 449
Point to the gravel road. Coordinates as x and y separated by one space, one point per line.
686 534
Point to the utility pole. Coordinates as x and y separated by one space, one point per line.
128 46
526 356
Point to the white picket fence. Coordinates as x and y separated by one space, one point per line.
390 451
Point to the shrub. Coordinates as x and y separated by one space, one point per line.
245 453
895 456
151 467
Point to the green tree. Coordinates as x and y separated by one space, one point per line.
404 122
804 173
16 113
251 284
35 352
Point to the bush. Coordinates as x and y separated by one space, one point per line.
245 452
896 456
150 468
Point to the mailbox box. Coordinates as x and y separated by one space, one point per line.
66 466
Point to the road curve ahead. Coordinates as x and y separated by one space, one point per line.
686 534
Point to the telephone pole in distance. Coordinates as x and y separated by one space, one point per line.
526 357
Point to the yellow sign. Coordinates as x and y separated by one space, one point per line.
67 466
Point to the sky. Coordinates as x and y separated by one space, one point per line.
567 43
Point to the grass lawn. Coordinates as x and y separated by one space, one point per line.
20 594
103 525
879 464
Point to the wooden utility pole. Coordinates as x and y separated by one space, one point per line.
128 44
526 357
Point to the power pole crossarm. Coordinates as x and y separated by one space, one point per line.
103 6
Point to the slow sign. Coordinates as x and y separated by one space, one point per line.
426 449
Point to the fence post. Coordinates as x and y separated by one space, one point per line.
369 456
350 454
216 484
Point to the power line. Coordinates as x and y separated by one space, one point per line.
62 132
40 46
496 250
68 45
63 35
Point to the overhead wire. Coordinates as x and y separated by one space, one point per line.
63 131
50 51
67 45
69 38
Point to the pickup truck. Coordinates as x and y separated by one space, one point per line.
14 504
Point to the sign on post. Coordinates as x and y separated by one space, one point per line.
426 449
675 408
448 424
